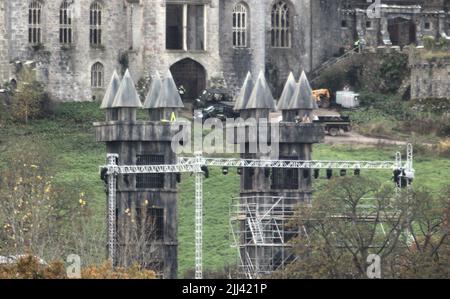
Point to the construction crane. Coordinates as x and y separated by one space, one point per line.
196 165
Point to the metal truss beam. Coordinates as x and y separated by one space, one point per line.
188 165
195 164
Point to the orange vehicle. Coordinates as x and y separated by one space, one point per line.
323 97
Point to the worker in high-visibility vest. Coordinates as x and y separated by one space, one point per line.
360 43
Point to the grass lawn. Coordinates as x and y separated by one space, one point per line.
69 135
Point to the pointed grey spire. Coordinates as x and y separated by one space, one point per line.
261 97
245 93
154 92
169 97
127 96
303 96
288 92
111 91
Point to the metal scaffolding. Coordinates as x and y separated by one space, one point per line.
195 164
260 232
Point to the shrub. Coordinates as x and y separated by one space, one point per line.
29 100
444 148
392 72
28 267
428 123
380 129
106 271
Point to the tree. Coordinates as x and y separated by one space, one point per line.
38 215
27 98
355 217
428 255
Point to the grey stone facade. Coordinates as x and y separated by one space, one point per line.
429 77
134 36
398 23
4 57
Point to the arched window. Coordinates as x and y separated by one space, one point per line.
95 22
281 32
65 23
240 25
97 75
35 22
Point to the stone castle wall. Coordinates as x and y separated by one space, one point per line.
4 68
429 77
134 36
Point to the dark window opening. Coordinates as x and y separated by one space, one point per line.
97 75
174 27
280 25
150 180
248 178
151 224
95 22
369 24
402 32
285 178
156 223
427 26
240 16
344 24
35 23
65 23
193 37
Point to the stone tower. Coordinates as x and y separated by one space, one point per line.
146 210
262 188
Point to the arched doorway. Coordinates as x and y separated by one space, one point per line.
402 31
191 75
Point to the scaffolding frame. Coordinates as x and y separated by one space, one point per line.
260 232
195 165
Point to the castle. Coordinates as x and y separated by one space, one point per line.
77 44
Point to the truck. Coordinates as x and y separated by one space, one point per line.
334 124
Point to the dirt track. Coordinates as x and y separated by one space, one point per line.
355 138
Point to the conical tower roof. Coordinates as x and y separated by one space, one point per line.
127 95
245 93
169 97
303 96
111 91
154 92
261 97
288 93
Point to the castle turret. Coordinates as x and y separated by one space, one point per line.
146 204
302 103
127 99
261 101
287 94
153 93
166 103
110 95
244 95
275 191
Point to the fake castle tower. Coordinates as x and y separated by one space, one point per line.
146 204
270 196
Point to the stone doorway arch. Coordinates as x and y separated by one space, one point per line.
402 31
191 75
